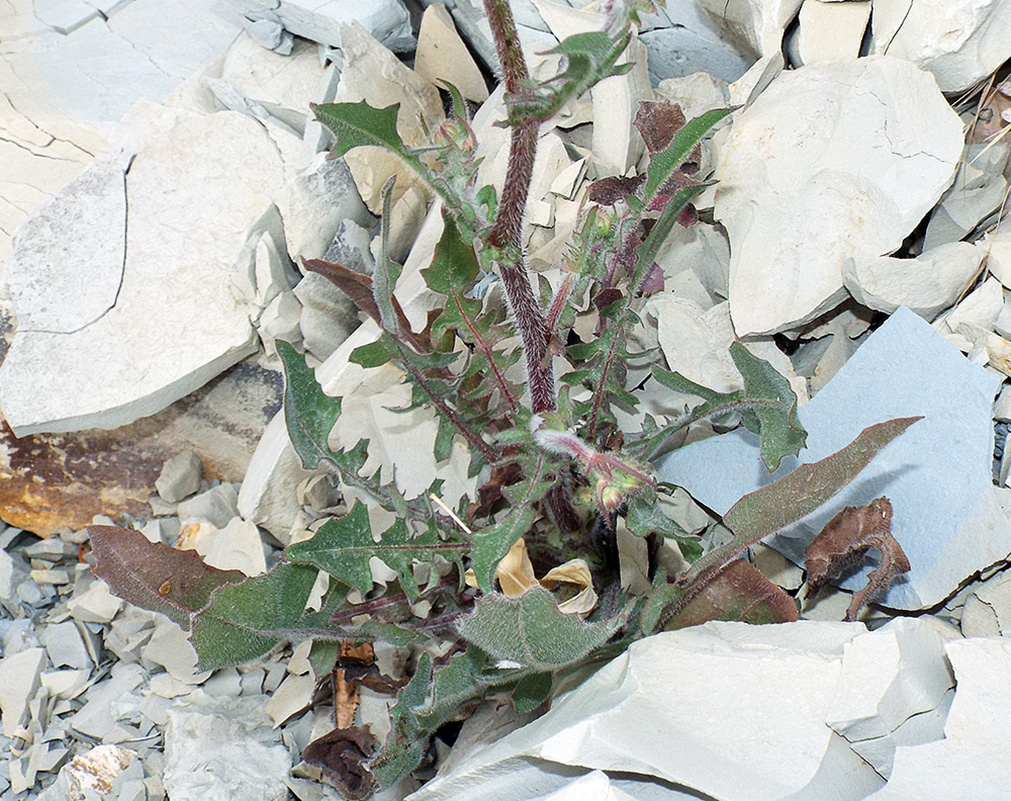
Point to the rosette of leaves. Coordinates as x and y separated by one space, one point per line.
554 471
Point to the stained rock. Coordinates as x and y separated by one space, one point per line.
175 323
443 56
327 315
62 481
831 161
960 41
221 749
937 474
925 285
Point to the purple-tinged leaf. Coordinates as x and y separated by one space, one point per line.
796 495
154 576
739 592
608 191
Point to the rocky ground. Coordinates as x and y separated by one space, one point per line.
160 180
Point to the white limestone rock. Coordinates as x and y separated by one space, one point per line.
978 311
179 477
681 50
925 285
889 676
831 31
937 474
960 41
316 204
443 56
719 711
64 16
83 227
977 192
20 677
321 20
267 496
830 161
997 249
223 749
758 24
64 645
971 760
191 195
271 79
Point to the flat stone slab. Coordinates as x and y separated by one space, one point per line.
937 474
831 161
192 194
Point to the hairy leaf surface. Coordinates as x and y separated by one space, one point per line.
344 546
531 631
154 576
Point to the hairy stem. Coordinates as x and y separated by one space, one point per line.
506 236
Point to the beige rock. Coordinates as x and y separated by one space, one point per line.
832 31
831 161
442 56
959 41
980 307
372 73
926 285
20 677
176 323
759 24
617 144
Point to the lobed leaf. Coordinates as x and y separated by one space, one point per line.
344 546
359 124
767 403
245 621
154 576
531 631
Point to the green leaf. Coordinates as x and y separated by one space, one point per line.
405 744
359 124
245 621
344 546
375 354
646 253
493 543
531 631
645 517
663 164
767 403
310 414
384 280
796 495
589 58
154 576
531 692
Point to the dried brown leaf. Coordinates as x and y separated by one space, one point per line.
658 122
845 540
342 755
